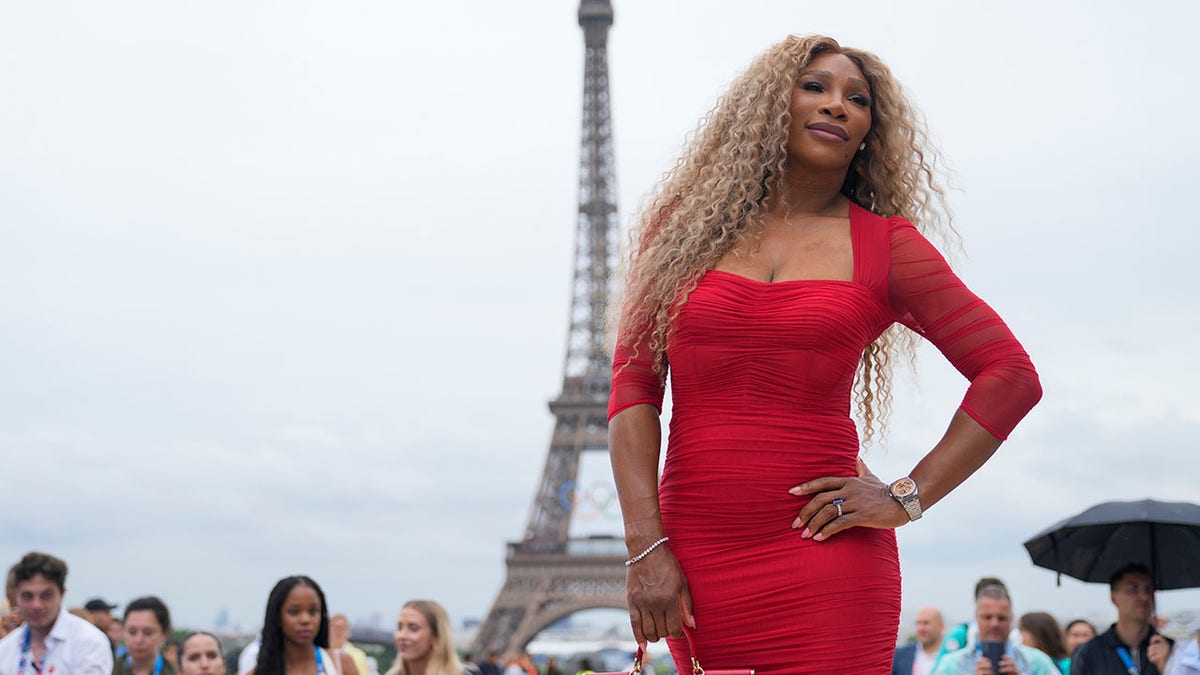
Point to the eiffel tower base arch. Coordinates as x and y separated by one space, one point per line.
541 589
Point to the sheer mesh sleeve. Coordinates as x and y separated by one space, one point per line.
633 378
930 299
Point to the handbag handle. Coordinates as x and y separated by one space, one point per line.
697 669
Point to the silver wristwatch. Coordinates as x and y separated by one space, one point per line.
905 491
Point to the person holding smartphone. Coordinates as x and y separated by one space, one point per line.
994 653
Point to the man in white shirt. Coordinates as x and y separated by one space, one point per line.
52 641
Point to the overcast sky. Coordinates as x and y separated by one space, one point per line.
284 285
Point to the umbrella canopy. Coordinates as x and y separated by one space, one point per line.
1163 536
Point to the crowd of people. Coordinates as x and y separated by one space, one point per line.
1037 644
40 635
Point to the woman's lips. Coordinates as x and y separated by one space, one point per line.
828 132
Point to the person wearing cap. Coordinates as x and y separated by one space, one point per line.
52 641
100 613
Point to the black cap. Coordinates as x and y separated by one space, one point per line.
98 605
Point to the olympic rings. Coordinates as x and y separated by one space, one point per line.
595 502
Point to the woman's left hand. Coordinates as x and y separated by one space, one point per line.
864 499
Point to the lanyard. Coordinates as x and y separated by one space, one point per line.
158 664
320 662
1127 660
27 655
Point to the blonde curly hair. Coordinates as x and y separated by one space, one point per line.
731 171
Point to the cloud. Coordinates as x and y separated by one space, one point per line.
289 292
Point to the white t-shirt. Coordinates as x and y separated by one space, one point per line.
923 662
249 657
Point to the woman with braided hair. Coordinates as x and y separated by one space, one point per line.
779 269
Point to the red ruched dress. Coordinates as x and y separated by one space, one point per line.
761 376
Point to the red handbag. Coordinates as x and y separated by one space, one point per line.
697 669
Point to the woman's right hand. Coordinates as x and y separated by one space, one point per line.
658 598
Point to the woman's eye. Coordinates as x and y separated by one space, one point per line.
861 100
812 86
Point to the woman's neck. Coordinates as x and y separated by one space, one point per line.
417 666
812 192
299 657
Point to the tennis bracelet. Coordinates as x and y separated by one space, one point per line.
645 553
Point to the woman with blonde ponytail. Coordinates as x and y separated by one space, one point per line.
778 271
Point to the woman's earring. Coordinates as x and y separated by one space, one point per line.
863 146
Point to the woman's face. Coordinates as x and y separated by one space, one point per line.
201 655
831 113
414 636
143 634
1077 635
300 616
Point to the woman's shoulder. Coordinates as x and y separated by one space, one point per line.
875 239
876 232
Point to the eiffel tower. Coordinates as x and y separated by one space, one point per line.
550 575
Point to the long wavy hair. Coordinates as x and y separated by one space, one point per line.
732 171
270 653
443 660
1046 633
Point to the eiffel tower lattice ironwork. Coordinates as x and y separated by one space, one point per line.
550 575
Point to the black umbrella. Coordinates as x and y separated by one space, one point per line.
1163 536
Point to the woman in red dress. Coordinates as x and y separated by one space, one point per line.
770 272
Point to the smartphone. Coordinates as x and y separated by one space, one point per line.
992 651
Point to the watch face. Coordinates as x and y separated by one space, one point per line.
904 487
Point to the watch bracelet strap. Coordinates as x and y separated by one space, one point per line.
913 507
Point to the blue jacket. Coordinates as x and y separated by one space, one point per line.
902 660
